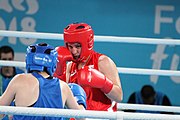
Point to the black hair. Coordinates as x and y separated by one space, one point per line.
48 51
6 49
147 91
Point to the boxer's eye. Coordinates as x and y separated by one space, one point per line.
78 45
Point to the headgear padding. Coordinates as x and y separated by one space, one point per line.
81 33
41 56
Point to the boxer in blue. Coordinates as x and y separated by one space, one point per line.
38 88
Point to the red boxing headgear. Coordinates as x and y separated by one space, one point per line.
83 34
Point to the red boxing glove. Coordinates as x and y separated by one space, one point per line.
64 55
93 78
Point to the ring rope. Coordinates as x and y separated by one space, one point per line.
138 40
32 111
121 70
139 71
12 63
69 113
128 106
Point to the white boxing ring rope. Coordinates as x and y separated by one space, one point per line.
120 69
138 40
128 106
69 113
97 114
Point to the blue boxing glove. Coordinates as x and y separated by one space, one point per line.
78 93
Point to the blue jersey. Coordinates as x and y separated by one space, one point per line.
49 97
158 101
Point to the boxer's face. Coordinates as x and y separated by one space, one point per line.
75 49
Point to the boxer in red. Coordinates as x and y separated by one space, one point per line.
95 72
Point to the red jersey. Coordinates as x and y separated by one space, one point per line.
96 99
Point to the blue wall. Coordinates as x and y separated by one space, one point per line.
140 18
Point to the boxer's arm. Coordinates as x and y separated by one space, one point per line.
106 79
78 93
91 77
68 98
9 94
109 69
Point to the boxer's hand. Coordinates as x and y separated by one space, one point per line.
78 93
93 78
64 55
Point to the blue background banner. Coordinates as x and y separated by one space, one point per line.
141 18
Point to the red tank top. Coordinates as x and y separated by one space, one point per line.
96 99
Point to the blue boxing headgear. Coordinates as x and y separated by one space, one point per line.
41 57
